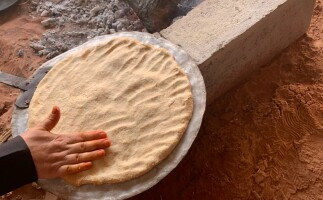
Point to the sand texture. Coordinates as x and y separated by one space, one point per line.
137 93
16 32
264 138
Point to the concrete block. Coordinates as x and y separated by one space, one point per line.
231 39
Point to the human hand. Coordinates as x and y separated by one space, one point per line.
60 155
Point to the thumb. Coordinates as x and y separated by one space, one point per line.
50 122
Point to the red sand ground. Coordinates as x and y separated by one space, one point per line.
17 29
262 140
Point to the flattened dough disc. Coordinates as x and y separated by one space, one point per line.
135 92
137 185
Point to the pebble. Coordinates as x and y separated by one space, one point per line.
50 22
37 46
45 13
144 30
112 31
120 26
131 27
123 21
95 11
109 21
119 13
52 54
115 24
20 53
138 25
44 52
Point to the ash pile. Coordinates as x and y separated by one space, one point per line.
73 22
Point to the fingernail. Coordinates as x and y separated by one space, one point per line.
102 153
103 134
106 142
89 164
55 109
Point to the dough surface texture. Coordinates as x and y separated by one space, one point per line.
135 92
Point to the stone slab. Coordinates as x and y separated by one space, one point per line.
231 39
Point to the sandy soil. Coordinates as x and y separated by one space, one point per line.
17 29
262 140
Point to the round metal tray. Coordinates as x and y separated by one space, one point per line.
4 4
133 187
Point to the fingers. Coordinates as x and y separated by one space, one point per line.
73 169
89 146
87 136
81 155
50 122
84 157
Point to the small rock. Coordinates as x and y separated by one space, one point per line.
130 28
48 23
95 11
48 4
56 12
109 21
78 2
120 27
138 25
20 53
119 14
45 13
36 46
112 31
52 55
123 21
82 21
101 30
43 52
38 8
77 16
61 20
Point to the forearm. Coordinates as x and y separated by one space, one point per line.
16 165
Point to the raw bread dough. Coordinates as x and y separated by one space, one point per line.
135 92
